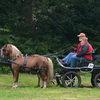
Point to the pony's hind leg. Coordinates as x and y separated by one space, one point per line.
38 80
44 79
42 84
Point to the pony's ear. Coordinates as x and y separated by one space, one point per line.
5 45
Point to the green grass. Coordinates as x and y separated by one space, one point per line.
28 89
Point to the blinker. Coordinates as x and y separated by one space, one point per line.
4 50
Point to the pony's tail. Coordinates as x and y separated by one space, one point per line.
50 73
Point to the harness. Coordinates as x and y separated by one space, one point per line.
27 68
25 61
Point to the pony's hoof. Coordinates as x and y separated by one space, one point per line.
41 86
38 85
13 87
44 87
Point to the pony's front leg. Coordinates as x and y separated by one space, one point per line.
15 76
15 85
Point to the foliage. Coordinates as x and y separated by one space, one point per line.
50 26
4 69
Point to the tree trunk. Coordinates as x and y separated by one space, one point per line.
29 20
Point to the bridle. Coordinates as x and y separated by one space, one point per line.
4 49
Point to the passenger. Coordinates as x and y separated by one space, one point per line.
81 53
67 59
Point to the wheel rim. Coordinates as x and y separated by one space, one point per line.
97 81
71 80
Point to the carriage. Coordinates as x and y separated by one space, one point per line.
68 76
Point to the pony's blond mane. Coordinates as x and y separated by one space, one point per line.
15 51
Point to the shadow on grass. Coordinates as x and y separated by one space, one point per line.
82 86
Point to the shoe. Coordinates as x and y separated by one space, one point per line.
62 62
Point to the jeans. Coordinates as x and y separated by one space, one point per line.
67 59
72 60
75 59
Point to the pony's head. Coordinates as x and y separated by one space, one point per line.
4 50
10 51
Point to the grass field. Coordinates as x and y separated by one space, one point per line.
28 89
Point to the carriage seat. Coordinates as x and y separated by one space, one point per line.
96 57
85 63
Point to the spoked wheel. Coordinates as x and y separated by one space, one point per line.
71 80
97 80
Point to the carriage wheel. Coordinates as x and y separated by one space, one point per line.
71 79
97 80
92 82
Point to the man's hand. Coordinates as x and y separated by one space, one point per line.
73 48
74 55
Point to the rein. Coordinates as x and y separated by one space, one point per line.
56 54
66 50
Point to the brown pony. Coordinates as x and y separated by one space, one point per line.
19 63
